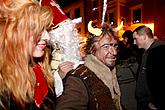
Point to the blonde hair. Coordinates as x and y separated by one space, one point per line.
23 18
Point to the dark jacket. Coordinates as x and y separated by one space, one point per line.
150 79
155 73
87 92
47 104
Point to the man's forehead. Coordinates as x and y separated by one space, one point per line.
107 41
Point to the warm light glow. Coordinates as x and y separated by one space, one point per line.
134 26
120 26
151 26
84 39
120 33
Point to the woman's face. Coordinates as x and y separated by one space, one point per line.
40 46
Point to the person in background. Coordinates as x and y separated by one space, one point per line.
127 48
25 79
149 92
127 65
93 85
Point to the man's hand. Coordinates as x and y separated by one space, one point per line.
64 68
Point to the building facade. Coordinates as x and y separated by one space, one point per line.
132 12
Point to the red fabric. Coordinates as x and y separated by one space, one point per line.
41 88
58 14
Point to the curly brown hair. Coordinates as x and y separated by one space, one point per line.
107 30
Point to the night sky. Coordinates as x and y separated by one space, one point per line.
64 3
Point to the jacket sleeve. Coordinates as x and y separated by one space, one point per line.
155 74
74 97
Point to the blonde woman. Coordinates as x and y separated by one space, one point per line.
26 81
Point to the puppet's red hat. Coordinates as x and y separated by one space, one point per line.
59 15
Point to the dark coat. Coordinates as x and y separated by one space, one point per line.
155 74
150 78
47 104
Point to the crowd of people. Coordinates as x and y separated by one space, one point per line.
41 69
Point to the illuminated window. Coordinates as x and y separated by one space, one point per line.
111 18
136 14
94 3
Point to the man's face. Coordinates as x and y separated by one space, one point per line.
139 40
106 51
